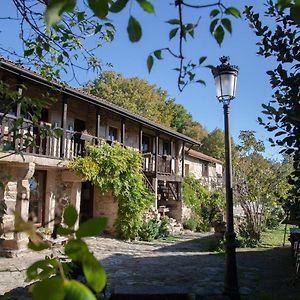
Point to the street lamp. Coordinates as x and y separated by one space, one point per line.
225 79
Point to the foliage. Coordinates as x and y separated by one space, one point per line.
149 231
51 275
260 185
116 168
281 42
204 204
62 47
134 94
138 96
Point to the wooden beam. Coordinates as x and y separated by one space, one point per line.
182 159
123 131
98 122
63 124
141 139
156 152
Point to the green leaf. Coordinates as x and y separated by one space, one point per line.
259 119
233 11
227 24
202 59
295 12
94 273
173 32
49 289
75 290
56 8
214 13
173 22
28 52
91 227
283 3
157 54
64 231
76 249
219 34
150 63
118 5
99 7
134 30
39 51
42 269
37 247
70 215
146 6
201 82
213 25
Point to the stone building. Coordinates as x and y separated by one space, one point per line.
207 169
38 182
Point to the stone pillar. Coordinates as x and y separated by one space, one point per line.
76 198
16 197
50 197
75 187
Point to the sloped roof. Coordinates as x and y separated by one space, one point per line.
33 76
202 156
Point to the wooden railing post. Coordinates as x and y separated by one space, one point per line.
123 131
63 125
156 153
98 121
141 139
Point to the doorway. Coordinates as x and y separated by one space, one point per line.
37 186
86 203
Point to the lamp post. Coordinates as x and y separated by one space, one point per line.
225 79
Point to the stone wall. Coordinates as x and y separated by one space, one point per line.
106 205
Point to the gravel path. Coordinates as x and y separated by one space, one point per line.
178 266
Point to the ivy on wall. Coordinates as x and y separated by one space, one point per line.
115 168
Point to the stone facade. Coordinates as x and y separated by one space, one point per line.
38 184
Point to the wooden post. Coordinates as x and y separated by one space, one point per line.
141 139
156 152
98 122
123 131
182 159
63 125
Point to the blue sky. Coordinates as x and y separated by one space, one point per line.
253 87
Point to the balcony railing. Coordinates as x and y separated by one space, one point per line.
28 139
165 164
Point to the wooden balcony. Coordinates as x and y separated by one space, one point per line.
28 139
166 164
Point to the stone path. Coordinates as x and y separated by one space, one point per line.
178 266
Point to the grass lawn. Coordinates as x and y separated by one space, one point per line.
274 238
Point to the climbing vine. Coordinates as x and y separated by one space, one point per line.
205 205
116 168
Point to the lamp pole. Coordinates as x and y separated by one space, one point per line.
225 78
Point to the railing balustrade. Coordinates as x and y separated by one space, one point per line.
165 164
27 138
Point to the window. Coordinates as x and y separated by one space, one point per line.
205 170
146 145
166 148
112 134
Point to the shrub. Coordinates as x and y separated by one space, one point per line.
205 205
247 236
149 231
